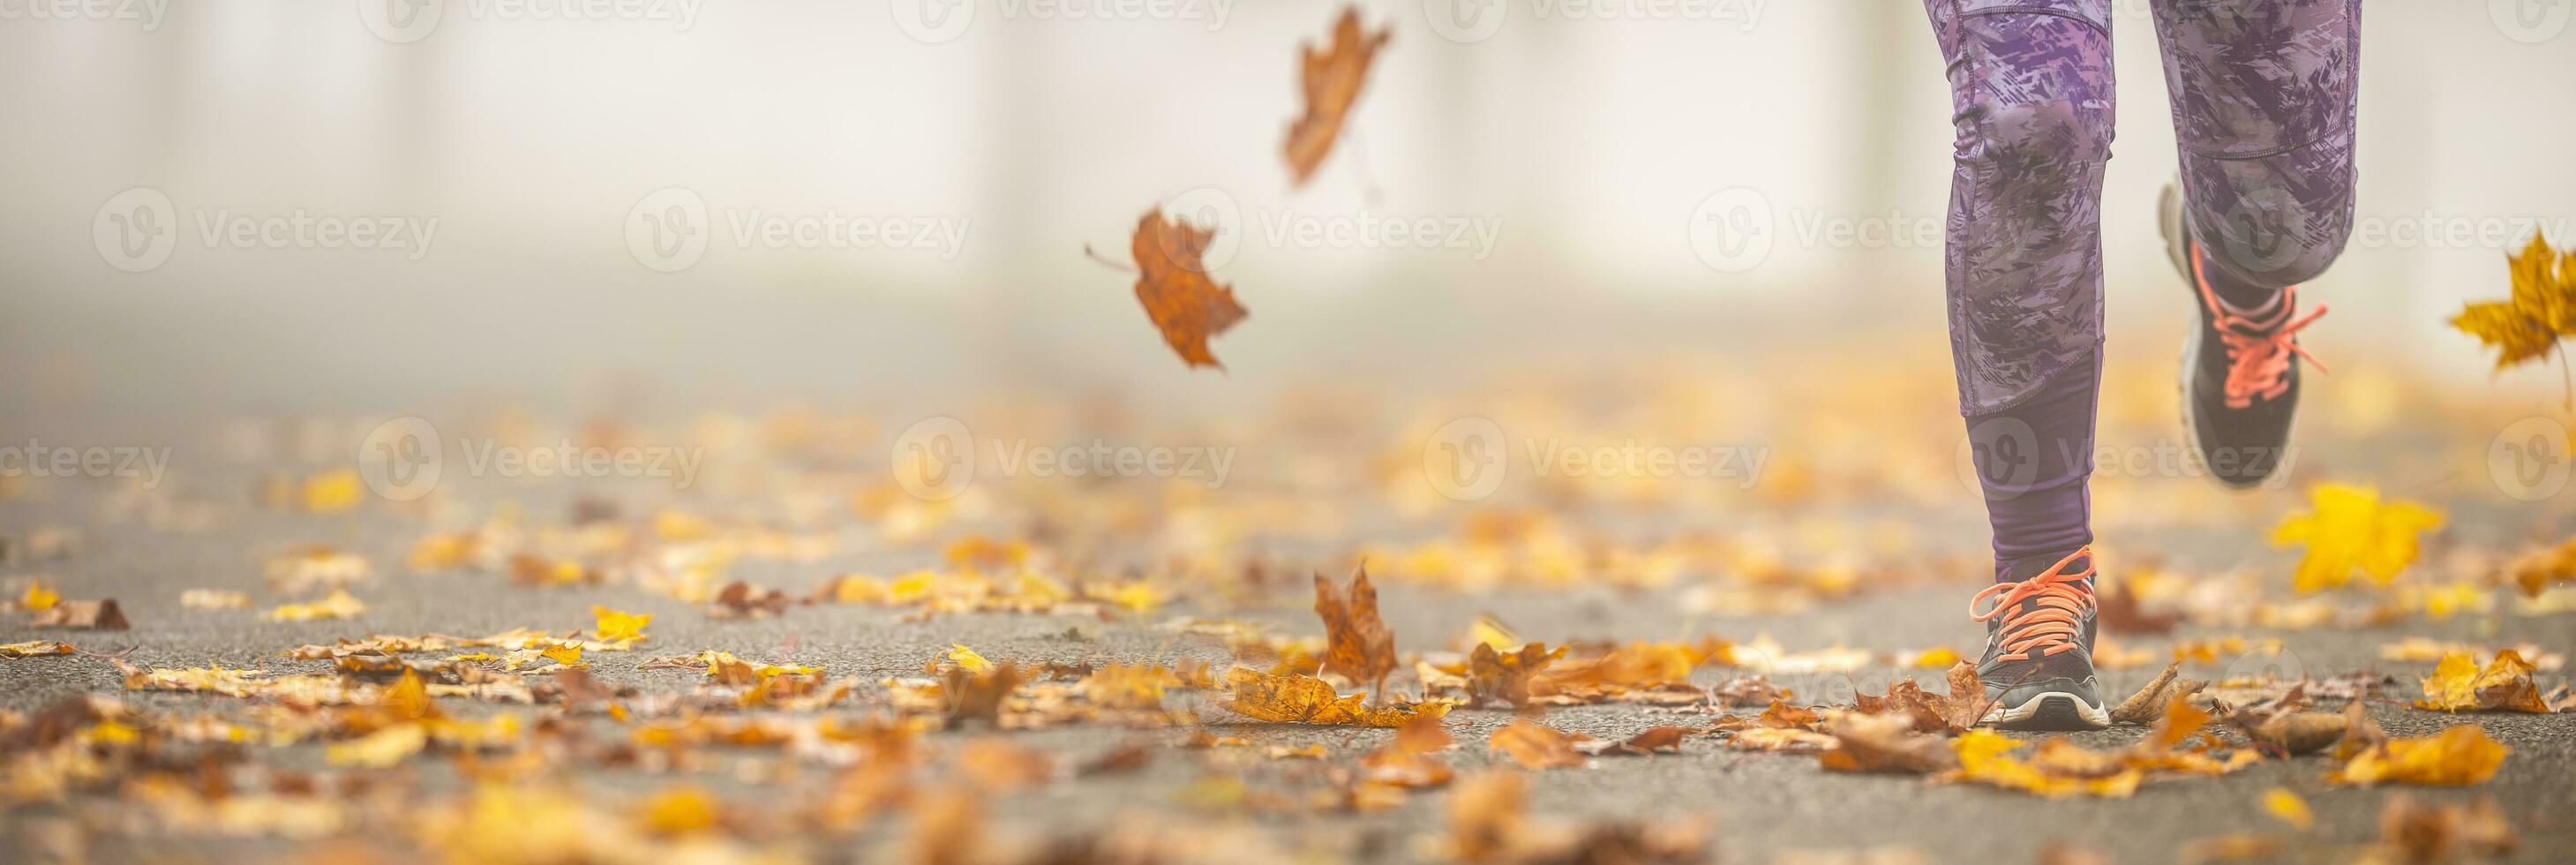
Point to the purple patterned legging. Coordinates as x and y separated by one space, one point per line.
2263 104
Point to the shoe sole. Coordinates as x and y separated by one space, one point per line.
2169 219
2051 710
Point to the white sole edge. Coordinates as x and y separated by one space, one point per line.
2098 716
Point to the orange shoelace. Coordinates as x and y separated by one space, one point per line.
2054 624
2258 351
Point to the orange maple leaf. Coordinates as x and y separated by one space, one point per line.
1186 304
1331 82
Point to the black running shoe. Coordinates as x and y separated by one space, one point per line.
2038 665
2240 372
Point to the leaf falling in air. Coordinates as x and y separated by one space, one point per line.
2542 308
1187 304
1330 81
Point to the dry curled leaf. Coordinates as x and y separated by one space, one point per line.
1330 81
1884 743
1357 645
1666 738
92 615
2504 685
2458 756
970 697
1309 700
1536 746
1185 303
2446 832
2149 703
1494 676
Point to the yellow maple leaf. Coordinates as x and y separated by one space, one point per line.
2461 755
38 598
2542 308
2353 528
615 626
967 659
563 653
381 748
1984 757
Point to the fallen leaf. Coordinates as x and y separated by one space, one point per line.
2289 808
94 615
1357 645
2118 612
2150 701
1884 743
1330 81
967 660
2446 832
619 627
2504 685
1665 738
1495 676
1535 745
35 649
2351 529
38 598
1182 299
337 605
1309 700
2457 756
213 599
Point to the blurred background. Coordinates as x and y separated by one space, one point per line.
1570 144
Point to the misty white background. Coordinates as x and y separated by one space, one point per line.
1590 141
